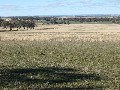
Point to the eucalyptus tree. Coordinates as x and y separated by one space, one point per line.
18 24
5 24
1 20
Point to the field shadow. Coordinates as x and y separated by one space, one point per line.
7 30
49 75
4 30
78 88
45 29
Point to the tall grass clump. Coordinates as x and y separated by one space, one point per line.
68 64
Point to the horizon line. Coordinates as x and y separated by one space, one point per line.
64 15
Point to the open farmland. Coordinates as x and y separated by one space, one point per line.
93 32
65 57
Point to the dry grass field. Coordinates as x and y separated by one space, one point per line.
61 57
93 32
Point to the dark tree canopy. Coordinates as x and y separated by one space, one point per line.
17 23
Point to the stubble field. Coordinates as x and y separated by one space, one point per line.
107 32
61 57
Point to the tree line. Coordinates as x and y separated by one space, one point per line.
68 20
29 22
17 23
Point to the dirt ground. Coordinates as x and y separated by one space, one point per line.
89 32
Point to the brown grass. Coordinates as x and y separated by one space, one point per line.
93 32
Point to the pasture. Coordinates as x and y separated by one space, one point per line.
61 57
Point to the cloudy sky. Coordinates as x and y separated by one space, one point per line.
58 7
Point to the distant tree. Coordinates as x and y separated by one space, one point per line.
64 22
68 22
18 24
1 20
53 21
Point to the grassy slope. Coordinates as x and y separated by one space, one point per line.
59 65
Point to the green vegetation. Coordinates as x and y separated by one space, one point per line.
59 65
73 22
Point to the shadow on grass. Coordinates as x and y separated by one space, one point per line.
7 30
3 30
79 88
49 75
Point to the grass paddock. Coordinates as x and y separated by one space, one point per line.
68 64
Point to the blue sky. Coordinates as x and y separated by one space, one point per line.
58 7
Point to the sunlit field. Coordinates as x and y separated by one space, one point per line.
92 32
61 57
